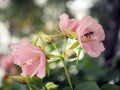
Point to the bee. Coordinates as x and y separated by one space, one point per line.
88 35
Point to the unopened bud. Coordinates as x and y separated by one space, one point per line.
46 38
70 54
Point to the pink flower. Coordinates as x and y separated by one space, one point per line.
31 59
90 36
66 23
6 62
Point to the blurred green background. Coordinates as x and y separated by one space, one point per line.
24 18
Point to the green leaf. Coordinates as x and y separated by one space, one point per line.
67 88
74 45
73 34
110 87
87 86
22 79
51 86
19 79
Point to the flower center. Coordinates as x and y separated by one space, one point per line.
32 60
89 36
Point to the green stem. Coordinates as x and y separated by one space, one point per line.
36 88
57 35
67 74
64 45
55 48
56 29
65 68
79 51
50 61
28 83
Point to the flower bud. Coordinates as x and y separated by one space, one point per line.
46 38
70 54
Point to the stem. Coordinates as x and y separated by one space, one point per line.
65 68
64 46
57 35
56 29
48 69
50 61
36 88
28 83
55 48
79 51
67 74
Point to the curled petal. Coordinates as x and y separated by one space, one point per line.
93 48
67 23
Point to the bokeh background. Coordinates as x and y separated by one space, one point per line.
25 18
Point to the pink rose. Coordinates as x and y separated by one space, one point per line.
66 23
6 62
90 36
31 59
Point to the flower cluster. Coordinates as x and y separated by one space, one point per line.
89 33
32 58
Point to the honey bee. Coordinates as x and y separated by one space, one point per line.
88 35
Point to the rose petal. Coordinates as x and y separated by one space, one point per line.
67 23
93 48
